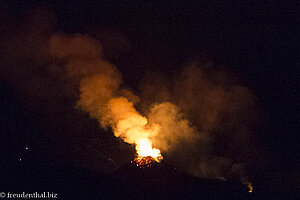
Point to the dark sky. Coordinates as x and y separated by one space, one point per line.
258 41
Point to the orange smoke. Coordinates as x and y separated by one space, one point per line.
197 97
119 114
100 92
132 127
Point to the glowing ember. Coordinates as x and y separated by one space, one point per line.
143 162
128 124
144 148
146 153
250 187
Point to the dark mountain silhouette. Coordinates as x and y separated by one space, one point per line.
163 181
158 181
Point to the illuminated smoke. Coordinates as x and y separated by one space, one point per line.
200 119
208 128
198 108
100 92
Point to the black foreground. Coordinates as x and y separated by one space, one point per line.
160 181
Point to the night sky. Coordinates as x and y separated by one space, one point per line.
256 43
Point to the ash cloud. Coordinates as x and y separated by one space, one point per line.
206 119
209 131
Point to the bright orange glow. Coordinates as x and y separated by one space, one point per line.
250 187
144 149
133 128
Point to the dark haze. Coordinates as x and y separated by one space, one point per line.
216 117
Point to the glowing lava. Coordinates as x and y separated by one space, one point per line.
146 154
144 148
133 128
250 187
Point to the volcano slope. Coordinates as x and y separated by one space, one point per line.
158 181
162 181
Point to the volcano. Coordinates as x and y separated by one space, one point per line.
145 167
160 180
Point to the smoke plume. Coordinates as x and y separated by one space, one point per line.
201 119
208 129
